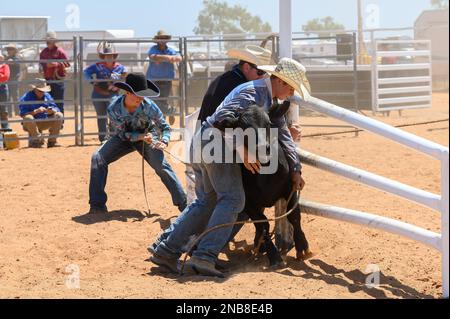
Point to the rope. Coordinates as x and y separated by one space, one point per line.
148 212
206 232
359 130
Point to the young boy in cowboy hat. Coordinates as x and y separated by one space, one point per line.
109 71
136 119
219 186
161 70
55 71
38 104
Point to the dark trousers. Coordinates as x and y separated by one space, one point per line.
4 97
101 108
165 88
14 96
58 94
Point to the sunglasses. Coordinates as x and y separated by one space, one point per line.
258 71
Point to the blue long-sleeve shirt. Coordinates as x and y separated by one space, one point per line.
46 101
258 93
161 70
102 72
148 118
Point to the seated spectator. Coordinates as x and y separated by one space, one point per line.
43 108
4 96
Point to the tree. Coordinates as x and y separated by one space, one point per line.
439 4
218 17
322 24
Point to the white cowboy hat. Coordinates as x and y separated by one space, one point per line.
51 36
162 35
252 54
41 85
11 46
106 48
291 72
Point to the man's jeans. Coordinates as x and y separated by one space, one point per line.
220 198
113 150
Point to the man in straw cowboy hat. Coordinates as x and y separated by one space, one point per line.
38 104
55 71
219 186
17 73
109 71
246 70
136 119
161 70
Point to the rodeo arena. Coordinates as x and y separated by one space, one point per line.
103 193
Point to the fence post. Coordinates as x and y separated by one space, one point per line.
80 89
182 78
374 77
75 89
445 223
184 104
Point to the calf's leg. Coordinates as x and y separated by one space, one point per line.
301 243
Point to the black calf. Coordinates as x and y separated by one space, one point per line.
263 191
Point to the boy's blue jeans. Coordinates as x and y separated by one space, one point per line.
220 198
113 150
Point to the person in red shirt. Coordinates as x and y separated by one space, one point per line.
4 96
55 71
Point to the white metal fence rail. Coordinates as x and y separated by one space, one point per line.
437 202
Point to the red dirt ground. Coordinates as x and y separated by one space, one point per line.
44 199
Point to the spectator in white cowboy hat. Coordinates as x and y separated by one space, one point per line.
110 71
138 123
38 104
17 73
55 71
246 70
219 186
161 70
4 92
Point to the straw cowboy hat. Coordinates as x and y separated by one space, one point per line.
162 35
51 36
11 46
291 72
106 48
138 84
252 54
41 85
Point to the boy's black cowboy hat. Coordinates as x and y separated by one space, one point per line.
137 84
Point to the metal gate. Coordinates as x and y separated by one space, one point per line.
30 65
401 75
